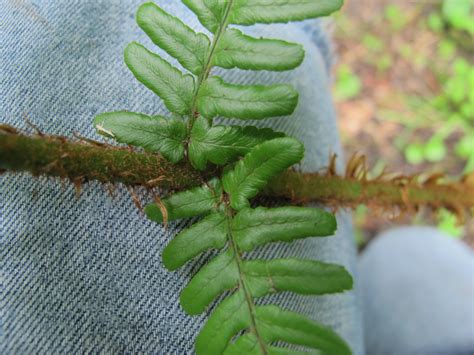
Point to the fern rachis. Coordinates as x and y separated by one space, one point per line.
229 224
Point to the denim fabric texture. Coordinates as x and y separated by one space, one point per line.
85 275
418 290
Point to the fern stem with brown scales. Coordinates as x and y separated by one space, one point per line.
59 157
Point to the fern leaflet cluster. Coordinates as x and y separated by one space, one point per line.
250 156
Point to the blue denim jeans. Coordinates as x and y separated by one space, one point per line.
418 294
85 275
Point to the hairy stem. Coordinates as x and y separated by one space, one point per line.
77 161
340 191
57 157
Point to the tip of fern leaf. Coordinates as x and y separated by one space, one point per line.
143 11
153 213
328 224
145 5
346 282
128 51
169 261
185 300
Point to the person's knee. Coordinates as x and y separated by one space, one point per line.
418 291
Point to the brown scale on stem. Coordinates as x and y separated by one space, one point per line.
135 198
162 207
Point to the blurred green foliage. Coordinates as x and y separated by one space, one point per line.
395 16
454 104
448 223
348 84
459 14
437 124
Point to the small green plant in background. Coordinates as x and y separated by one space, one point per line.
456 107
459 14
455 14
373 43
379 56
448 223
348 84
434 150
395 16
451 110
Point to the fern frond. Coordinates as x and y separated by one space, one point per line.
197 93
250 229
235 228
228 225
262 276
291 328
